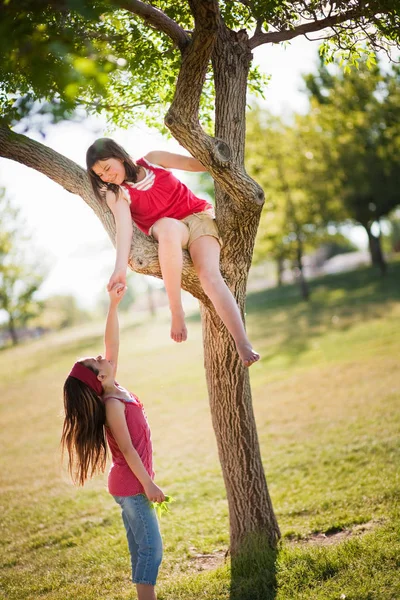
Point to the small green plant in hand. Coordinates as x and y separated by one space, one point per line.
163 507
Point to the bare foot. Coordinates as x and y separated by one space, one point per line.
178 327
247 355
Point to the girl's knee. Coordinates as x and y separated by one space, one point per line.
152 553
157 555
164 224
152 546
210 280
165 227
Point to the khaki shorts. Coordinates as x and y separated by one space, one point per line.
199 224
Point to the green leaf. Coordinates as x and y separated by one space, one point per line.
162 507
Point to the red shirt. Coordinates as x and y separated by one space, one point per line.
167 197
121 480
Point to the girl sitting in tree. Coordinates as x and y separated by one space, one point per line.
146 192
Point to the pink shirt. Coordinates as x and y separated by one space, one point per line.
167 197
121 480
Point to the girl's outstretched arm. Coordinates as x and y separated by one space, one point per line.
168 160
116 421
123 223
111 334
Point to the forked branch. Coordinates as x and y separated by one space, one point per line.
156 19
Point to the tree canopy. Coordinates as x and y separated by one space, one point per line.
337 163
356 117
122 57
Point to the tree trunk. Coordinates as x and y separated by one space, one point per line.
250 507
375 248
12 331
299 271
279 271
292 218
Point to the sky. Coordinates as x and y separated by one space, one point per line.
66 235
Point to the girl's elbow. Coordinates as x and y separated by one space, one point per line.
126 450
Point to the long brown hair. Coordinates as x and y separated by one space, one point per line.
83 435
102 149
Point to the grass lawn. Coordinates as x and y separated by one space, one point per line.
326 397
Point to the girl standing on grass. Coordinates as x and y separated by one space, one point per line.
164 208
98 409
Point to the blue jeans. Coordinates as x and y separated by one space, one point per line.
144 538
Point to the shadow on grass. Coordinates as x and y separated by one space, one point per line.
363 285
338 302
253 572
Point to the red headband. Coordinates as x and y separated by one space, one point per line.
86 375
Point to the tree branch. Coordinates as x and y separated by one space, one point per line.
157 19
74 179
182 118
275 37
195 60
258 30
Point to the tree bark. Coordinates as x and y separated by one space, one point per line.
250 507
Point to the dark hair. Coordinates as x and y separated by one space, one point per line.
83 435
102 149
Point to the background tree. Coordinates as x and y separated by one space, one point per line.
355 116
60 311
19 280
300 198
115 55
